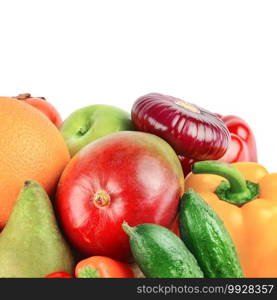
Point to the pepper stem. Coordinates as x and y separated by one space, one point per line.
128 229
236 190
88 272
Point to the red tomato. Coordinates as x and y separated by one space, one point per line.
45 107
127 176
59 275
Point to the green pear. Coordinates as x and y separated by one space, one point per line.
31 244
90 123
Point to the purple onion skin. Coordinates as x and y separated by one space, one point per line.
191 131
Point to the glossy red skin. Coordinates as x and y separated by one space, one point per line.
142 185
186 164
175 226
242 145
46 108
59 275
200 135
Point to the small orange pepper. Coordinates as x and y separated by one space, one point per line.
103 267
244 195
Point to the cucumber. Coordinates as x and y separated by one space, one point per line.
159 253
207 238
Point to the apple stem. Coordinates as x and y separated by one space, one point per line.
25 96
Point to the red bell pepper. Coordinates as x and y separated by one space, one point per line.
242 144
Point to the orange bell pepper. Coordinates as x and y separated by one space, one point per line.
244 195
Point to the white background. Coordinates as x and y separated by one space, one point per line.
221 55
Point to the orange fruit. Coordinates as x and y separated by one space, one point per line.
31 148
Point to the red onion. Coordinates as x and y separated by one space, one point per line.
191 130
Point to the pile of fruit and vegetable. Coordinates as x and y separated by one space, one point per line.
168 190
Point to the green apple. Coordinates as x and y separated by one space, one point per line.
89 123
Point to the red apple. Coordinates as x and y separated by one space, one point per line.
42 105
126 176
